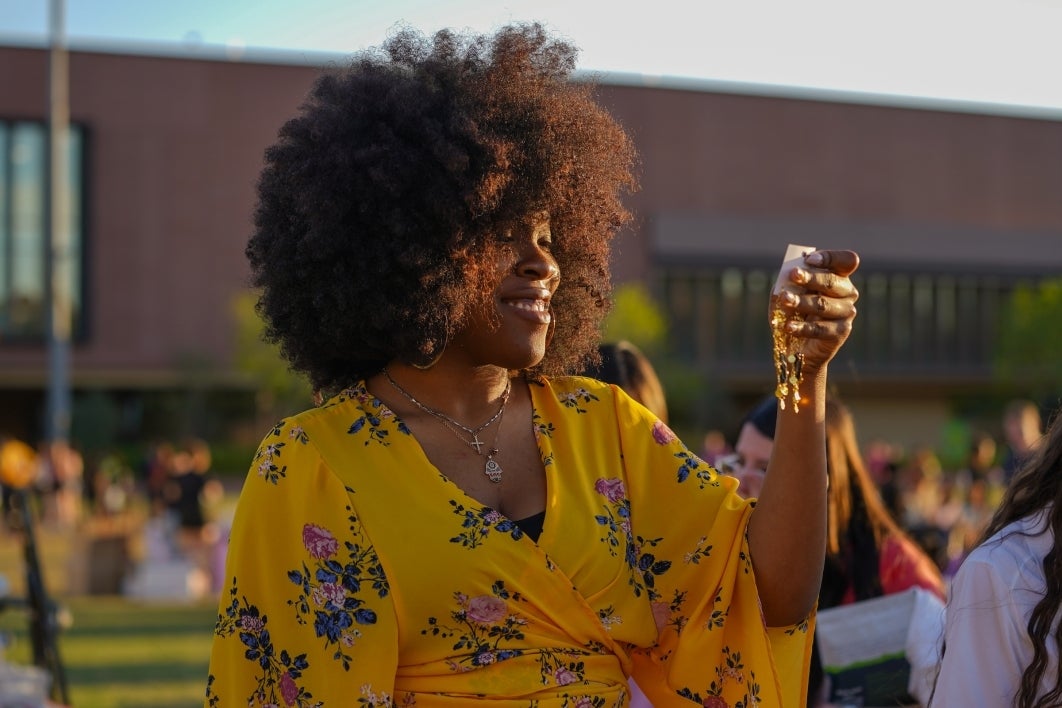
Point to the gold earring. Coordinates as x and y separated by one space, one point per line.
431 363
438 351
552 326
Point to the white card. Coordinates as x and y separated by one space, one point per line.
794 257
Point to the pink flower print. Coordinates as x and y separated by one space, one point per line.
288 690
662 434
319 542
612 489
486 657
731 673
564 676
251 623
661 614
492 517
485 609
329 592
715 702
584 702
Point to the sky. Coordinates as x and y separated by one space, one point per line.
1004 53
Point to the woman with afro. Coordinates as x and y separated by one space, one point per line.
458 520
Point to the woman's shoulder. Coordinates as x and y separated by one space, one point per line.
1019 544
568 384
353 401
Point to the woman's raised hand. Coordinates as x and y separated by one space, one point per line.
820 305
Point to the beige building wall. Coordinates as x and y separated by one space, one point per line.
175 145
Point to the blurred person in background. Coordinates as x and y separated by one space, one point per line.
868 555
191 492
155 472
1022 431
461 520
979 489
1002 637
624 364
714 446
931 503
60 483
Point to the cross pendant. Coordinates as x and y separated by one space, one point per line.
477 444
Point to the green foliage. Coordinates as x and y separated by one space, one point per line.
1030 338
280 390
636 318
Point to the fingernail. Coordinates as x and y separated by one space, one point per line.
814 258
801 276
789 298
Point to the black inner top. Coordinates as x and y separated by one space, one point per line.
532 525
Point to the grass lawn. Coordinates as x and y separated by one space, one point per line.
117 653
122 654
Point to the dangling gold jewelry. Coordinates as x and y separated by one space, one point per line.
552 328
788 359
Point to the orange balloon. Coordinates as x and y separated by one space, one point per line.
18 464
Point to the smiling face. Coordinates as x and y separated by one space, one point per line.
511 325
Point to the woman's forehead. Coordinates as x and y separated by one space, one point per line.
751 443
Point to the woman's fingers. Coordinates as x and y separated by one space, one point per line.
840 262
822 304
824 291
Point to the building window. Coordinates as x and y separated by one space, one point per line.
942 324
24 240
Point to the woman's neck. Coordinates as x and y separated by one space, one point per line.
469 395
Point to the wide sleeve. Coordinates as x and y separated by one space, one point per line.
693 565
306 618
986 644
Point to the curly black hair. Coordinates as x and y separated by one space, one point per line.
379 204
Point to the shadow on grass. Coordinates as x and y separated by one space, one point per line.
133 673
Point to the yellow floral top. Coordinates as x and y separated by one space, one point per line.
360 576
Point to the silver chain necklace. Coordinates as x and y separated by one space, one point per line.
492 469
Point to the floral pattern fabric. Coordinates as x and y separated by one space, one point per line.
361 576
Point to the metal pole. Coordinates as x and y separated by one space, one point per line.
59 396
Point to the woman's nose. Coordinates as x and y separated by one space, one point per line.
537 264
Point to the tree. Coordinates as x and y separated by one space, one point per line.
279 390
1030 338
636 318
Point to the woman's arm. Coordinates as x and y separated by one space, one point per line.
787 531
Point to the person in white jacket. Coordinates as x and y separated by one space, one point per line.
1001 642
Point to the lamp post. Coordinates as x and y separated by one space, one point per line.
57 425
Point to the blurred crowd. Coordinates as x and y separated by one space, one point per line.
165 502
944 509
